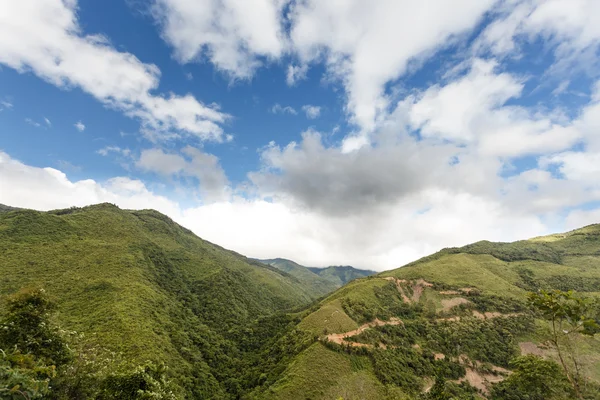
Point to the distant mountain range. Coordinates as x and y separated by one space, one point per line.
321 281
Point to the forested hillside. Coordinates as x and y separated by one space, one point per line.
340 275
137 287
104 303
320 281
464 323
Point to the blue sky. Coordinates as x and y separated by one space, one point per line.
345 132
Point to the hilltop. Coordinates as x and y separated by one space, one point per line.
459 315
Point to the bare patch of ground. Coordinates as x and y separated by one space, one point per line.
530 348
448 304
340 338
480 380
417 288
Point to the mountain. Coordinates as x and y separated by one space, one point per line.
137 283
340 275
449 325
316 285
4 208
147 309
319 281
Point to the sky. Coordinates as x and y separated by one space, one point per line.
342 132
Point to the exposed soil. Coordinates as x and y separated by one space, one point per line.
450 292
417 289
448 304
340 338
530 348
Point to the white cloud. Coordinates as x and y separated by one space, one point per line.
295 73
387 238
33 123
105 151
367 44
5 105
311 112
570 27
46 39
233 34
47 121
79 126
214 185
472 110
279 109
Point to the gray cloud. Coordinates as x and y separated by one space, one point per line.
325 179
214 185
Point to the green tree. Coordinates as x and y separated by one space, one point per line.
533 378
569 315
26 327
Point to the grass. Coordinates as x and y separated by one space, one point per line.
502 272
304 378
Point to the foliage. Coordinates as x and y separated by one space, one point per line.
143 382
23 377
26 327
533 378
568 314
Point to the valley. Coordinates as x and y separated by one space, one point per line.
135 290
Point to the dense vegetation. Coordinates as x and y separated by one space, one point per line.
340 275
468 329
139 291
111 304
320 281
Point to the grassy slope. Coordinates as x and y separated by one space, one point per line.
316 285
341 275
138 283
506 270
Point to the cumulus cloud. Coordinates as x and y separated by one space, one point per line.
55 49
570 27
384 239
311 112
368 44
232 34
473 110
295 73
214 185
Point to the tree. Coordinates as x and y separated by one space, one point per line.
26 327
569 315
533 378
30 348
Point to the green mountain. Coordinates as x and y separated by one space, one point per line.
4 208
315 284
340 275
140 285
451 326
320 281
145 309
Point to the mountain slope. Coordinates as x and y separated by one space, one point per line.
316 285
137 283
459 314
340 275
